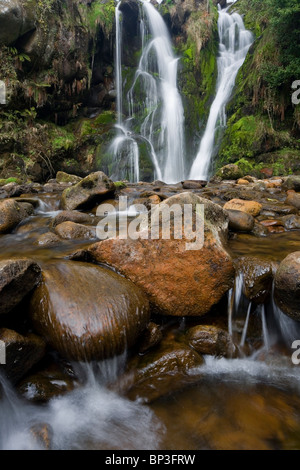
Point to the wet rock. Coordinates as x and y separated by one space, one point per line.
292 182
193 184
89 191
17 278
12 213
240 221
257 278
178 281
242 181
43 435
287 286
280 208
150 338
72 231
62 177
48 239
293 199
229 172
70 216
259 230
211 340
87 312
291 222
22 353
160 372
272 223
250 207
15 21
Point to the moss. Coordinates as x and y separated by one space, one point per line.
3 182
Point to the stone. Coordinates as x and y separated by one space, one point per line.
242 181
293 199
291 222
22 353
150 338
193 184
229 172
240 221
87 312
89 191
250 207
62 177
73 231
70 216
257 278
177 281
287 286
43 435
292 182
48 239
18 277
211 340
12 213
15 21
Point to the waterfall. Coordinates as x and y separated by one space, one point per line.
235 42
155 110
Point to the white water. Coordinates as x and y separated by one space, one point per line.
158 109
235 42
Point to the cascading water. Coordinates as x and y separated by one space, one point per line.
154 103
235 42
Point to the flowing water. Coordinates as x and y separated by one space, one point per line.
235 42
155 111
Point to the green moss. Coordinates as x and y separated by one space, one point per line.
3 182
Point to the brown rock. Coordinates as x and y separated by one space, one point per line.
242 181
72 231
287 286
177 281
86 312
211 340
89 191
62 177
71 216
12 213
291 222
250 207
240 221
193 184
293 199
17 278
150 338
43 434
48 239
257 278
22 353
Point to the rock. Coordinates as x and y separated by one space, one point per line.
193 184
22 353
98 315
242 181
43 435
17 278
48 239
211 340
291 222
15 21
250 207
178 281
240 221
293 199
292 182
72 231
150 338
257 278
89 191
279 208
271 223
160 372
62 177
287 286
229 172
71 216
259 230
12 213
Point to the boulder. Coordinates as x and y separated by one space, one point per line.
229 172
62 177
287 286
17 278
292 182
70 216
22 353
211 340
15 21
293 199
72 231
250 207
12 213
257 278
88 192
240 221
178 281
291 222
87 312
